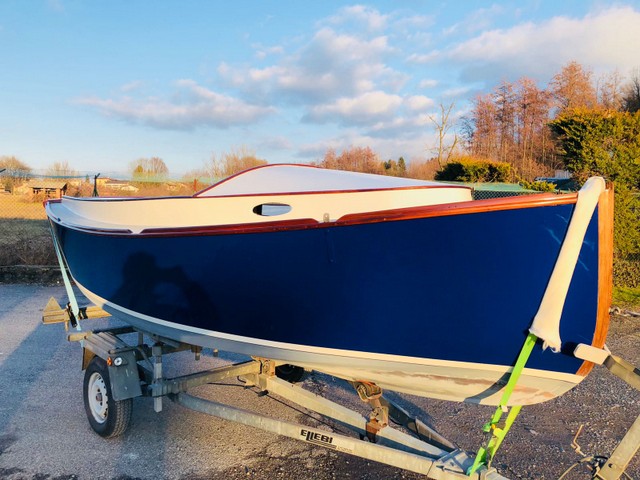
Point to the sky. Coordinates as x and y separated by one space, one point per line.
101 84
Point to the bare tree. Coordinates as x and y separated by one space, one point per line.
532 137
510 125
572 88
631 95
149 169
443 150
610 94
481 128
423 169
14 167
14 172
355 159
61 169
232 162
505 100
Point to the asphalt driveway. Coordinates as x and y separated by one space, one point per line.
44 433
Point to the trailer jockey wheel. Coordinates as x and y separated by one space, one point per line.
107 417
290 373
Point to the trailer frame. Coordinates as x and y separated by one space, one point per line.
136 370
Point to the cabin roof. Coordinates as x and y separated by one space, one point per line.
47 184
286 178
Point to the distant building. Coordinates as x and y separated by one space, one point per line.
44 187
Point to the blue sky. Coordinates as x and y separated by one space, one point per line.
100 84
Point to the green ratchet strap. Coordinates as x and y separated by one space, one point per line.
486 453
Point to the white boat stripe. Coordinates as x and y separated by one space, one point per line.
333 352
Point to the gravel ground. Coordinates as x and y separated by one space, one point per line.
44 433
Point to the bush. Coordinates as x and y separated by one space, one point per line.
626 273
594 142
626 237
422 169
538 186
472 170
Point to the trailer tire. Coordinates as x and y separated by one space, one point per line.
107 417
290 373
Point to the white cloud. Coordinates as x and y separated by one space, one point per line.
330 65
405 126
412 22
362 109
605 40
260 75
263 51
371 18
131 86
334 62
428 83
418 103
191 106
476 20
423 58
276 143
377 112
457 91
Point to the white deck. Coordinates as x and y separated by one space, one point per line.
235 200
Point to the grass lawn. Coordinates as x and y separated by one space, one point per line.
24 233
626 297
15 206
14 229
25 242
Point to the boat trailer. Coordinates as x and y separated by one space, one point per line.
116 372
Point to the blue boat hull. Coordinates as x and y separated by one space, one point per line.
450 291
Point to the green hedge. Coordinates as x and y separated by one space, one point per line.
475 170
626 273
538 186
595 142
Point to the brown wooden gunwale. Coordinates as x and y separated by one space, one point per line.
461 208
605 273
409 213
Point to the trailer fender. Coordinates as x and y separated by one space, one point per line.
123 373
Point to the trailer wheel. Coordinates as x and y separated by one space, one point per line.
290 373
107 417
